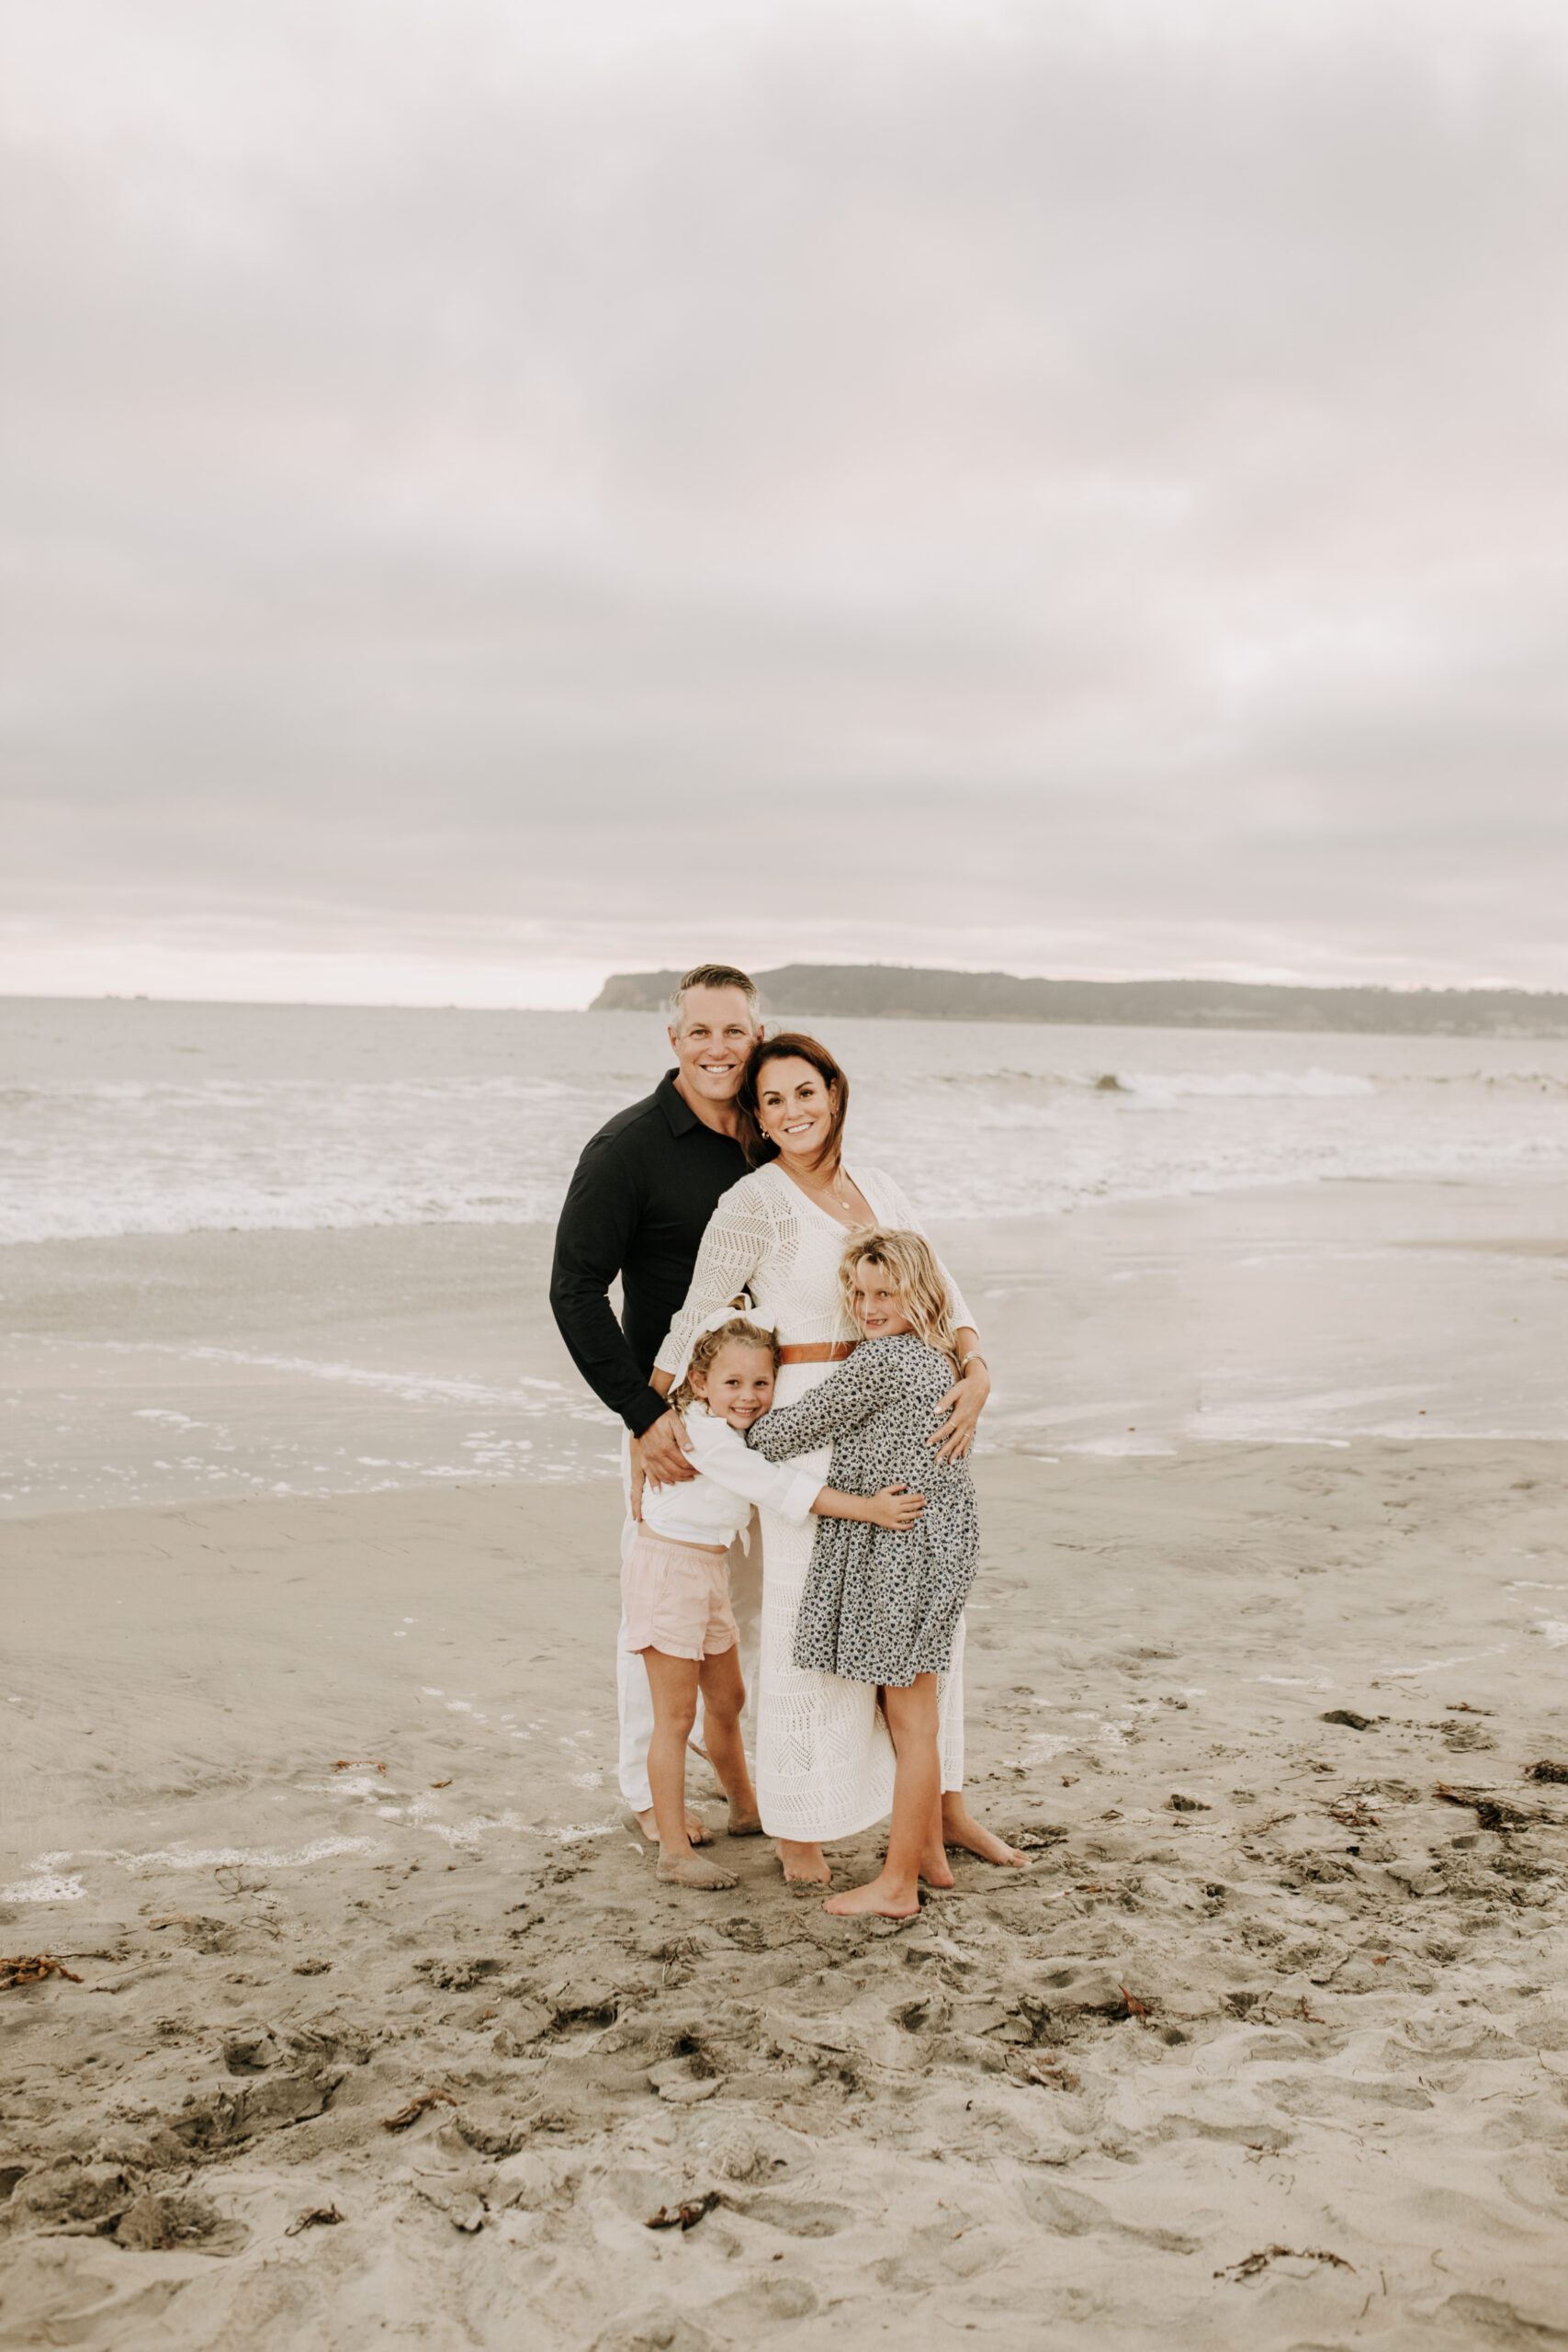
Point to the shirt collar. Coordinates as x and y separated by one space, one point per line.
679 1115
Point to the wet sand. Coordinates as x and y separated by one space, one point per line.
1269 2048
150 1368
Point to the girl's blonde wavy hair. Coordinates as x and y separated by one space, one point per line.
909 1262
705 1348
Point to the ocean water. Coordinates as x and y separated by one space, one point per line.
282 1249
131 1118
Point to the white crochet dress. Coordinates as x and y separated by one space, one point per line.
824 1759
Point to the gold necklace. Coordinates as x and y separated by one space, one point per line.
836 1191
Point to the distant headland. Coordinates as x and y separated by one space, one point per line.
906 992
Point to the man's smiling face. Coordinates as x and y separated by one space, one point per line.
717 1031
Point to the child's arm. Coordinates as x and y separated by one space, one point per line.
844 1401
889 1506
721 1453
723 1456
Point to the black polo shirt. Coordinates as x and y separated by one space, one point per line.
638 1206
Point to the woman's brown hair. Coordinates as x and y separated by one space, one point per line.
792 1046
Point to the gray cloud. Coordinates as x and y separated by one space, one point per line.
1080 489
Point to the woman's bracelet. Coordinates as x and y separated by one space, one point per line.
974 1356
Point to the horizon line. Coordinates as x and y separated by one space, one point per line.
1402 989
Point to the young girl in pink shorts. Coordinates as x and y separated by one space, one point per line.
675 1590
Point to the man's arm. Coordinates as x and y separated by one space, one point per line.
659 1453
597 1225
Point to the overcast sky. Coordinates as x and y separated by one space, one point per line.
496 492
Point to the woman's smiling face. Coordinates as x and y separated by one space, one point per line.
795 1108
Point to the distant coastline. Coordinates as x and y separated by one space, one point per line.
907 993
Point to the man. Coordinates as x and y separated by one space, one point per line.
638 1207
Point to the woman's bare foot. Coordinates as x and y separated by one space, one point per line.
694 1870
743 1825
697 1831
804 1865
934 1866
959 1827
883 1899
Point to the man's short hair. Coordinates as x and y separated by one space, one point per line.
711 976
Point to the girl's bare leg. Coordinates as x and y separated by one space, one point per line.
935 1868
675 1683
724 1696
959 1827
894 1893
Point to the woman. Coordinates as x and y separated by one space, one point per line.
824 1759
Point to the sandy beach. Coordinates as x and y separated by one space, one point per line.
640 636
308 1545
1269 2047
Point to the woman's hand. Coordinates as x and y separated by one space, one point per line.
895 1507
960 1409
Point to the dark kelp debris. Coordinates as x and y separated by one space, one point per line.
1253 2263
415 2109
687 2214
1546 1770
1491 1813
315 2216
1349 1717
31 1968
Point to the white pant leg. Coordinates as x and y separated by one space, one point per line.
634 1699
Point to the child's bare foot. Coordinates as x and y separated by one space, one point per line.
804 1865
934 1866
743 1825
959 1827
694 1870
697 1831
883 1899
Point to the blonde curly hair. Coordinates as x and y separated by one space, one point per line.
909 1262
706 1346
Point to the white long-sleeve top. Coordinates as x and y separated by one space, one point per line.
766 1236
715 1506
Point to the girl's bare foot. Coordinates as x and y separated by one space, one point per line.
743 1825
883 1899
959 1827
934 1868
694 1870
804 1865
697 1831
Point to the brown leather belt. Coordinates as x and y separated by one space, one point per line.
819 1352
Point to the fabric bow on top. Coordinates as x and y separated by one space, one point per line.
738 1310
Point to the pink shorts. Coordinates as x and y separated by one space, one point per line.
676 1598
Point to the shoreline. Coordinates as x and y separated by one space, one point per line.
149 1369
1334 1967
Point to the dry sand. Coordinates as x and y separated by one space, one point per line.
1311 2006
